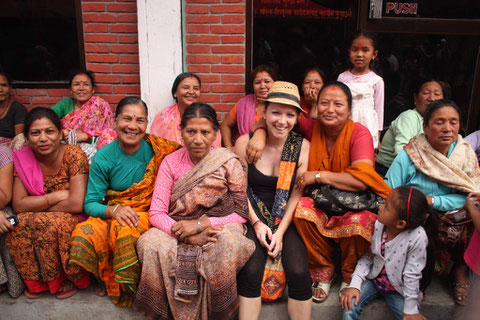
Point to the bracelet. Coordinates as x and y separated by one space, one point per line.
89 137
253 225
48 202
115 209
199 226
259 128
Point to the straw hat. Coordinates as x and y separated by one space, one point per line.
284 93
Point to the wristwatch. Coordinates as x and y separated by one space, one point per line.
317 176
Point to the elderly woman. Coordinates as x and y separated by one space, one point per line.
192 255
120 188
444 167
408 124
12 113
9 278
86 115
186 89
341 155
250 108
48 192
313 81
272 202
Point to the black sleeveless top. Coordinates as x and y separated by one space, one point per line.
262 185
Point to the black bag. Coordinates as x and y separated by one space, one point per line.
335 202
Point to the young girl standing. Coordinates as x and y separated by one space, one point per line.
398 255
366 86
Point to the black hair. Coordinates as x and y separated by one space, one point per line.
88 73
38 113
438 104
365 34
413 210
8 77
130 101
182 76
200 110
314 69
343 87
263 68
418 84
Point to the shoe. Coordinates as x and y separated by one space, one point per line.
325 287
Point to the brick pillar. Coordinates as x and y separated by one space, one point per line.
111 47
215 49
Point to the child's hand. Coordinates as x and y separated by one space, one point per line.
347 295
416 316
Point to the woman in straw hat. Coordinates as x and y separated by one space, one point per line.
272 201
341 155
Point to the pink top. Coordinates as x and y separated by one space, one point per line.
172 168
472 254
166 124
379 90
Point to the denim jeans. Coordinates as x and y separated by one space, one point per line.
368 293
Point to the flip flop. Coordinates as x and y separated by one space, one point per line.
31 295
325 287
66 294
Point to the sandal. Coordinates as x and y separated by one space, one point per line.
64 294
325 287
31 295
342 286
458 296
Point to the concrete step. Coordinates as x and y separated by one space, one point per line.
85 305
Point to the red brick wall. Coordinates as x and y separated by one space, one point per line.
111 52
215 49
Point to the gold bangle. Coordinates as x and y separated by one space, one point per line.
115 209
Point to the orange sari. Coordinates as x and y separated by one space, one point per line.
105 248
353 230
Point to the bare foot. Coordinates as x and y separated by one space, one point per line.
67 289
100 290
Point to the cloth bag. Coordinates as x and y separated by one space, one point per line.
451 225
274 280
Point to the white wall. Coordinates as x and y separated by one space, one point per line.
160 51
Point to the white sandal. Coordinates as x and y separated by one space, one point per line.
325 287
342 286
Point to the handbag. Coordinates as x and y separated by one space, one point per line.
335 202
274 280
451 225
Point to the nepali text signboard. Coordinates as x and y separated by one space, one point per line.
327 9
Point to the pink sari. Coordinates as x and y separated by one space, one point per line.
246 112
94 117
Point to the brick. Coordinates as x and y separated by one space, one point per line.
58 92
103 89
198 48
95 27
124 28
227 9
102 58
210 78
113 99
125 48
223 107
233 1
129 58
128 17
122 7
31 92
228 49
196 58
202 19
127 38
98 17
45 100
127 89
207 97
233 39
233 78
131 79
23 100
111 38
93 7
107 78
202 39
228 69
102 48
233 97
99 67
233 18
197 28
228 88
203 1
198 68
126 68
232 59
196 9
205 88
228 29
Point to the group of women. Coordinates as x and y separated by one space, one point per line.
180 228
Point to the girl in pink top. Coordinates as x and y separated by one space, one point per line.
366 86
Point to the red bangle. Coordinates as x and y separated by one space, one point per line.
253 225
89 137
